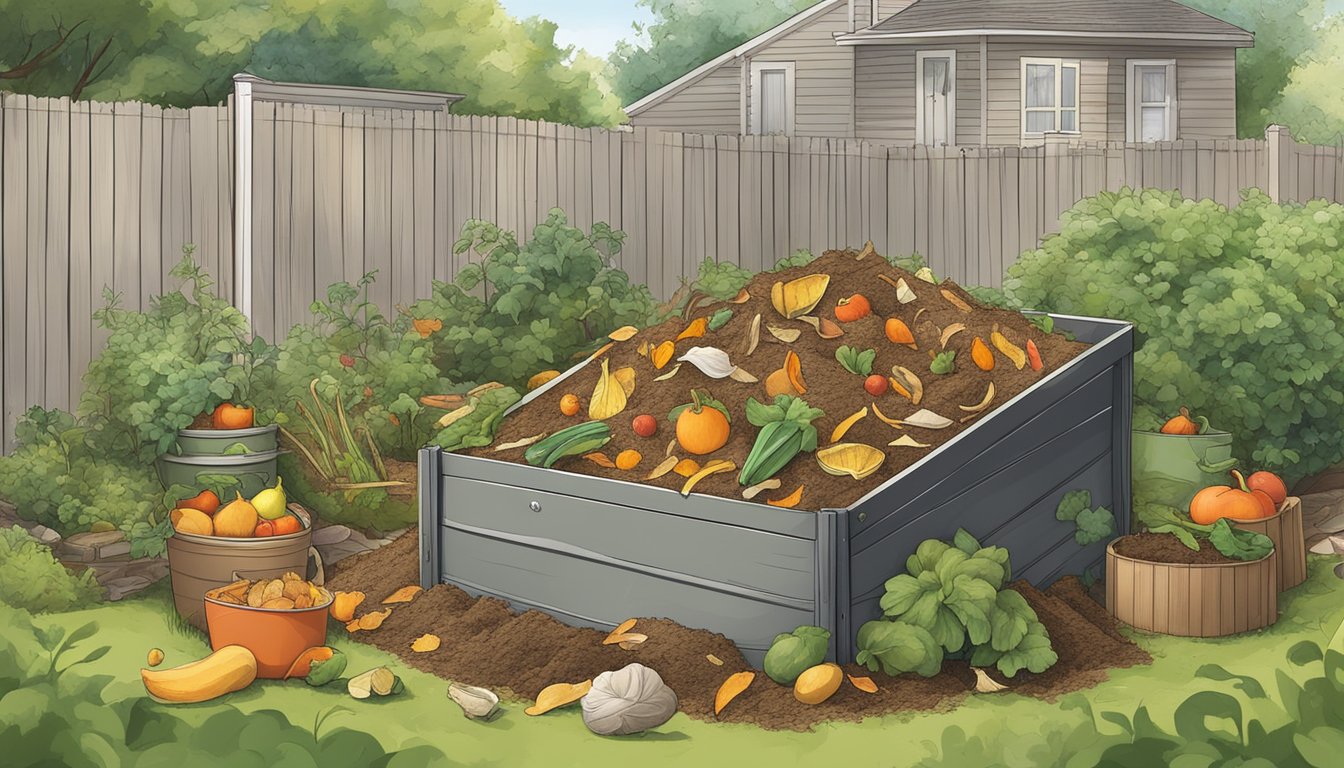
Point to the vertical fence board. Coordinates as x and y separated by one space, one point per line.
13 241
36 252
78 292
59 318
264 254
377 198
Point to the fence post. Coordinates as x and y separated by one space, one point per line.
1277 144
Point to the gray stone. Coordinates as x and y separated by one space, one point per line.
45 535
114 550
332 534
1333 525
88 547
126 585
1328 546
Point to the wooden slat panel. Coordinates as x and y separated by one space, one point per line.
13 241
264 254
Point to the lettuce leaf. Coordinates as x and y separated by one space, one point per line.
895 647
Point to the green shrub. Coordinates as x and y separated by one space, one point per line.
163 367
1236 312
55 477
951 600
53 713
372 508
32 579
524 309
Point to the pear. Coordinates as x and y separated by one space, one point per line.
237 520
270 503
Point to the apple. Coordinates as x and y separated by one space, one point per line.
876 385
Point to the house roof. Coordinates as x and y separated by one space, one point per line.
1146 19
765 38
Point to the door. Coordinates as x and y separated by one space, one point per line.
935 118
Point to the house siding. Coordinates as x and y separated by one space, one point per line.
712 104
823 75
885 92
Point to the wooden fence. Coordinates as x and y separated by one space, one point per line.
98 195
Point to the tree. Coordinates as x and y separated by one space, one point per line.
686 34
1313 101
184 53
1286 31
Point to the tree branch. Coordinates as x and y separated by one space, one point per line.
86 76
34 63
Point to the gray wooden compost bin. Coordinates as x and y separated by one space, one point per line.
593 552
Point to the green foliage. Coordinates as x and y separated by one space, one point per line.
478 427
799 258
720 319
857 361
338 451
373 508
955 593
57 478
792 653
944 363
895 647
1232 542
683 35
720 280
164 366
30 578
517 310
1093 525
184 54
1236 312
54 714
786 431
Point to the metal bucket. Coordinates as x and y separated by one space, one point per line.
198 564
253 472
226 442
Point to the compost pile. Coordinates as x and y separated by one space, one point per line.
867 344
484 643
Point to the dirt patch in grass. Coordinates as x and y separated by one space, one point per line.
1165 548
829 385
517 654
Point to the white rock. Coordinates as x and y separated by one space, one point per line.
332 534
628 700
1323 547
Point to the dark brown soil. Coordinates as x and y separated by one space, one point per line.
202 421
829 386
1166 548
484 643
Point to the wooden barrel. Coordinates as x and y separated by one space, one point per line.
1192 600
1290 542
198 564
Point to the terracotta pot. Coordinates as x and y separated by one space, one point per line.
275 637
1209 600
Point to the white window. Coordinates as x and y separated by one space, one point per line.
936 97
1150 90
1049 97
772 97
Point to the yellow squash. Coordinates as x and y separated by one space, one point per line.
231 668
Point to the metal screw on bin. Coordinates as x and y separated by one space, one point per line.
863 516
535 506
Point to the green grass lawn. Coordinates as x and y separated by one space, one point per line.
1023 731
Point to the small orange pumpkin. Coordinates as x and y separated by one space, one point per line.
701 428
855 307
569 404
230 416
1233 503
1181 425
1267 482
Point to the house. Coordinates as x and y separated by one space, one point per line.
969 72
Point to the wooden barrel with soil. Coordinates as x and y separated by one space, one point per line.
1290 544
1155 583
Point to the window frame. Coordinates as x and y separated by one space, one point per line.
754 113
920 99
1058 109
1133 93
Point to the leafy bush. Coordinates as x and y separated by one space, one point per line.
1236 312
377 366
722 280
523 309
55 477
30 578
51 713
370 508
163 367
952 594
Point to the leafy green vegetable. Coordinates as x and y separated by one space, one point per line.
956 594
1073 503
1185 536
1043 323
1094 525
1239 544
1033 653
944 363
794 652
786 431
720 319
896 647
478 427
856 361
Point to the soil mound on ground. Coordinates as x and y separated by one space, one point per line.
485 643
829 385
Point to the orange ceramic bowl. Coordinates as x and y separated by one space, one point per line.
275 637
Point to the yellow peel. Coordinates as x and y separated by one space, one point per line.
558 695
887 419
624 333
853 459
663 468
1008 349
984 402
949 332
712 468
844 426
906 441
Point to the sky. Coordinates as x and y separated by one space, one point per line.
592 24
